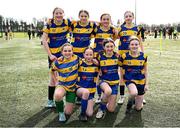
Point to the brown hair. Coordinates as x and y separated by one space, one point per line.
56 9
105 41
128 12
104 15
81 11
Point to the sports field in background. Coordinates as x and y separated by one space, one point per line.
24 79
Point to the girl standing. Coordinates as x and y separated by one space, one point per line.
54 36
82 31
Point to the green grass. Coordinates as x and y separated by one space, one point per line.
24 79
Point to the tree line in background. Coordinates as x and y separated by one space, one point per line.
10 24
37 25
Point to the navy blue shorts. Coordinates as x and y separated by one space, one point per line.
114 88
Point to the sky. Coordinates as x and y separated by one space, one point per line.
147 11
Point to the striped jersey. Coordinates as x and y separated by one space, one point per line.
133 67
109 68
100 35
68 72
124 34
57 34
87 76
81 37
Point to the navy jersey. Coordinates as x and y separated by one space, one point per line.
100 35
124 34
133 67
87 76
81 36
109 68
57 34
68 72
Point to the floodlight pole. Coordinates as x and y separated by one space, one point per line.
135 12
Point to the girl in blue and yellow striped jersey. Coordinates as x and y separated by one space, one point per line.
67 68
109 80
134 74
126 30
87 76
103 31
54 36
82 32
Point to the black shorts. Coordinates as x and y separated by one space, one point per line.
139 87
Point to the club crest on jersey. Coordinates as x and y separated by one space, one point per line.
84 77
54 30
105 70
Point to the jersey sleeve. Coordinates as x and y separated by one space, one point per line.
115 33
119 30
121 59
145 57
139 32
46 28
54 66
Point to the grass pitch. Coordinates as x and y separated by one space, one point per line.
24 80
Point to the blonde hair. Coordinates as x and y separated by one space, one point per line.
64 45
133 38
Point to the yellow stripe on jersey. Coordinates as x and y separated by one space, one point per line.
46 30
109 62
67 79
74 57
65 87
78 50
104 35
82 30
92 90
54 50
123 51
69 69
133 62
59 29
88 69
112 82
128 33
